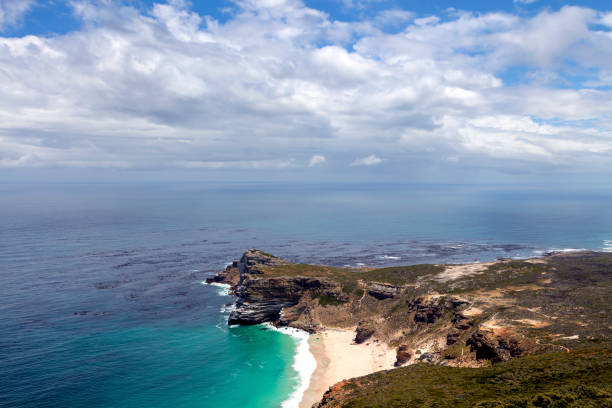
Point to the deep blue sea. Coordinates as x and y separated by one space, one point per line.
101 300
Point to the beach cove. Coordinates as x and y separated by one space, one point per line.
339 358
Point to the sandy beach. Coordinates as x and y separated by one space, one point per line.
339 358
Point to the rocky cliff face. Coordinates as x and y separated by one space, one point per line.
264 299
279 300
251 263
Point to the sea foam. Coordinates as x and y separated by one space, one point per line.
607 245
566 250
223 287
390 257
304 364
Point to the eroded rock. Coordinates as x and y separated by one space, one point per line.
363 332
500 345
382 290
402 356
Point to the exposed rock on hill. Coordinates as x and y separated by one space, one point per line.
382 290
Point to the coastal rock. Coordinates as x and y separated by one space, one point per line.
250 263
363 332
382 290
281 300
261 300
229 276
253 259
402 356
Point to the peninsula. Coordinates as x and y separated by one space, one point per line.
511 333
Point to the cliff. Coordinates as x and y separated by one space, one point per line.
444 315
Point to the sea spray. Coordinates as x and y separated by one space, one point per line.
304 364
223 287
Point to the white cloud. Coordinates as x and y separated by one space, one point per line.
279 84
12 12
370 160
238 164
316 160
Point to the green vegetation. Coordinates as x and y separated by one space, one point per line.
554 380
325 300
401 275
268 254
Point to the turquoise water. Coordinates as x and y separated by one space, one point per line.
102 300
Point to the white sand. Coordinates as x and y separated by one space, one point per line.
338 358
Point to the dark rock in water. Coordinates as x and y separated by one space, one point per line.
382 290
363 332
402 356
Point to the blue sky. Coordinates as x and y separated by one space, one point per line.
48 17
305 90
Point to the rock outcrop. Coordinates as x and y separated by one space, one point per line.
402 356
262 300
229 276
281 300
382 290
429 311
460 323
500 345
363 332
250 263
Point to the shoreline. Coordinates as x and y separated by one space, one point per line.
304 363
339 358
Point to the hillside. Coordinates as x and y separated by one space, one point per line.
577 379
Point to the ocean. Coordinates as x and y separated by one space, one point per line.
101 284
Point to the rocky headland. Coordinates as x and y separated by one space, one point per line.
444 316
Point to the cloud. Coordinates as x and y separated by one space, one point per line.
316 160
280 85
12 12
370 160
238 164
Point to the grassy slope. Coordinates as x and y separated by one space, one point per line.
577 379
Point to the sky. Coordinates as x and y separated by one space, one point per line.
289 90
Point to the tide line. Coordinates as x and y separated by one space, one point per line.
304 364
